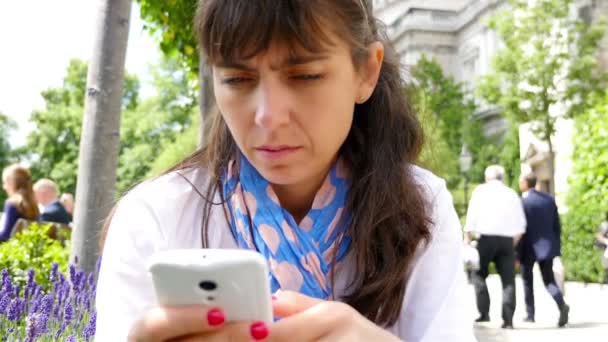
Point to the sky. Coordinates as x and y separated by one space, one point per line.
38 38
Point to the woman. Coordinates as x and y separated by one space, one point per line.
21 203
310 162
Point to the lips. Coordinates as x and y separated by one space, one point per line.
274 152
281 148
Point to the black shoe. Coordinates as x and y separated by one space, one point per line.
563 315
529 319
483 318
507 325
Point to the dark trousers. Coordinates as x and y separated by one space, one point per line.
546 270
497 249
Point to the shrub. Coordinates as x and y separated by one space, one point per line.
587 198
33 249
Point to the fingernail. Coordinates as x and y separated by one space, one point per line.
215 317
274 297
259 331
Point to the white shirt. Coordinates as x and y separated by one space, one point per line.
166 213
495 209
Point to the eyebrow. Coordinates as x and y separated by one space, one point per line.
291 61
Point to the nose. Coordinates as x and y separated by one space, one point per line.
272 110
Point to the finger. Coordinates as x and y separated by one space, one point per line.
313 323
229 332
167 323
287 303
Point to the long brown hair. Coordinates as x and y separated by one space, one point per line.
23 197
390 217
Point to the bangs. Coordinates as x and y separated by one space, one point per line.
233 30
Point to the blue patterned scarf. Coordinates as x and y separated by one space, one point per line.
300 256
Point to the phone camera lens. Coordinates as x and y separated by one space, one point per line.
207 285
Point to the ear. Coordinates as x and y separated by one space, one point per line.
370 71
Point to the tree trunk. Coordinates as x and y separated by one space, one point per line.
100 138
207 100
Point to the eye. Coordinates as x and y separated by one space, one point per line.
235 80
307 77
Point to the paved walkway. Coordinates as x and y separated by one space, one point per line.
588 314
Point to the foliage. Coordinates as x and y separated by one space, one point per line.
146 126
172 23
53 145
587 198
547 68
454 113
509 158
184 145
33 249
156 124
446 100
6 125
436 155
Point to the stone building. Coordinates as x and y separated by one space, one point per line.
455 33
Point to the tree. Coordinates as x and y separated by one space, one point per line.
454 112
99 141
172 22
52 147
587 197
156 123
547 69
6 126
436 154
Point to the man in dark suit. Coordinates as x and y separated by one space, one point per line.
47 196
541 243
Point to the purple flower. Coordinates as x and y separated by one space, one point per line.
71 339
31 331
34 304
89 330
56 311
4 303
68 314
7 286
54 270
91 279
60 331
73 274
30 277
17 290
13 310
47 304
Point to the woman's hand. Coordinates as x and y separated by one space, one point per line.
193 323
309 319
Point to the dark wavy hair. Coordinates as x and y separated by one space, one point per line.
390 218
390 215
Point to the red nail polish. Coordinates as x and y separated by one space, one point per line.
259 331
215 317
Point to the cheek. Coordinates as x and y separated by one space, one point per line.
329 117
235 113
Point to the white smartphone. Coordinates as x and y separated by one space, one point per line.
234 280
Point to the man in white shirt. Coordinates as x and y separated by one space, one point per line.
496 216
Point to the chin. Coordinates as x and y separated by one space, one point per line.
281 175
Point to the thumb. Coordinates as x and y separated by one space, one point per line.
287 303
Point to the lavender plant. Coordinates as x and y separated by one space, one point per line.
65 312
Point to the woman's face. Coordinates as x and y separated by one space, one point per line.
288 114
